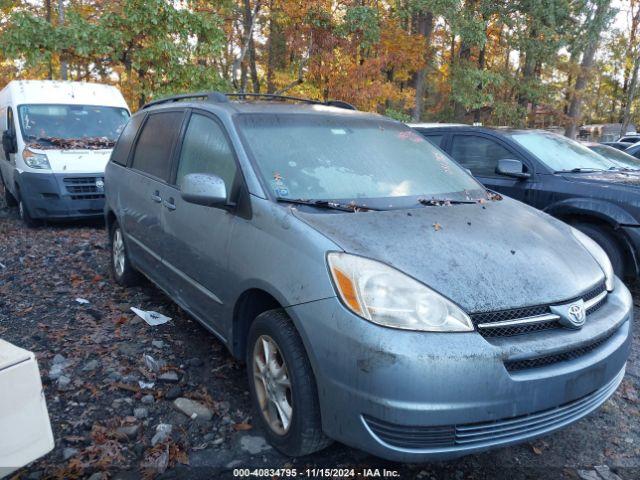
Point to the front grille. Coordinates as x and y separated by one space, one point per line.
545 360
83 188
518 313
493 432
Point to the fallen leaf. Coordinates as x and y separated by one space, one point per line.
437 226
242 426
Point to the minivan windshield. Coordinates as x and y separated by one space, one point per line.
71 126
321 157
562 154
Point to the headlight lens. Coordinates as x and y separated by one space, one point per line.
35 160
383 295
598 254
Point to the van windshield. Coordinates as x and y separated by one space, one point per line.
71 126
330 157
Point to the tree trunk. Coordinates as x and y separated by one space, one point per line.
63 61
631 93
425 28
246 40
249 22
575 106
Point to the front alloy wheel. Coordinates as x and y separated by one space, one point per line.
272 384
283 386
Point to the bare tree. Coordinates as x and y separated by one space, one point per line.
247 39
63 61
594 29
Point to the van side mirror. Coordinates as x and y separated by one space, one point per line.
511 168
9 143
204 189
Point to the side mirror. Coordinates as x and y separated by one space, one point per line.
9 143
204 189
511 168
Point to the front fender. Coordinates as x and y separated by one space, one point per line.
608 212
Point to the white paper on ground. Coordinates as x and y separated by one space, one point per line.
152 318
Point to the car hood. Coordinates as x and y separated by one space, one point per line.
77 161
495 256
630 179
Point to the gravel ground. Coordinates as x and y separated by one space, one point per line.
110 380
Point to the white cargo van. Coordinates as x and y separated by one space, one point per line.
56 140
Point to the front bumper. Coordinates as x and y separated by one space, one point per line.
62 196
412 396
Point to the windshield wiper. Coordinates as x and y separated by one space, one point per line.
581 170
349 207
430 202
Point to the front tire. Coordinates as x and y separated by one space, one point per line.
25 215
608 243
121 268
283 387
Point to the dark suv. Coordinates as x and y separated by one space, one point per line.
557 175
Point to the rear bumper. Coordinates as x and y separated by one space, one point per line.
62 196
413 397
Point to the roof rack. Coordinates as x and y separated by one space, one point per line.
218 97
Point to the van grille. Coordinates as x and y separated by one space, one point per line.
518 313
83 188
545 360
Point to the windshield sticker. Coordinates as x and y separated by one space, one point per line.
278 185
338 131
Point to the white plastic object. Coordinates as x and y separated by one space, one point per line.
25 430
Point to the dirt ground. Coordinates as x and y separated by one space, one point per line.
110 380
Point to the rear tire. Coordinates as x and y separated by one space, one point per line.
302 433
121 268
608 243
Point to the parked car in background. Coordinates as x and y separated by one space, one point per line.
626 161
633 150
380 295
557 175
25 430
630 138
56 141
617 145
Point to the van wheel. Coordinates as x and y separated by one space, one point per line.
608 244
9 199
121 268
283 387
26 217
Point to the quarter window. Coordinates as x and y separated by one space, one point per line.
435 139
479 154
206 150
123 146
155 144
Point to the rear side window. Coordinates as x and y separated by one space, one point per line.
206 150
155 144
435 139
479 154
121 151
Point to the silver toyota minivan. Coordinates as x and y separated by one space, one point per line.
378 293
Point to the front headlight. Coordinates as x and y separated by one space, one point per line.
388 297
35 160
598 254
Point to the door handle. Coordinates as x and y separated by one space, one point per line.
156 197
170 204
